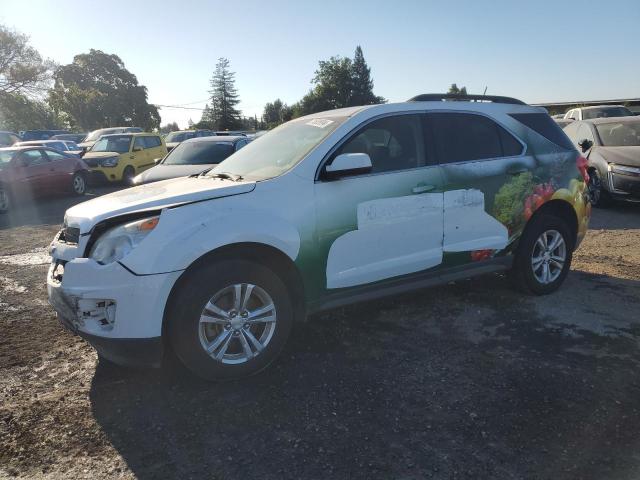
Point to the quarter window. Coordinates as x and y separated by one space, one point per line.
392 143
461 137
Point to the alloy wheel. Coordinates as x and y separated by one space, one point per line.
548 256
237 323
79 184
595 187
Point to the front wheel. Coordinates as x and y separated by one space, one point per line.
128 175
5 200
229 319
544 255
79 183
599 196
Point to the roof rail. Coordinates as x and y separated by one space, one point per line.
441 97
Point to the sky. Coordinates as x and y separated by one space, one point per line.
538 51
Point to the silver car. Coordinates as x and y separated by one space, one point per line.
191 157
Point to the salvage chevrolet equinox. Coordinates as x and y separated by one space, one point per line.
330 209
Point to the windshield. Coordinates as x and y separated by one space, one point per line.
279 150
199 153
179 136
620 134
112 143
606 112
96 134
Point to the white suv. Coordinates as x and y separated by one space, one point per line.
325 210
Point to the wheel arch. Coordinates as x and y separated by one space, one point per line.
263 254
563 210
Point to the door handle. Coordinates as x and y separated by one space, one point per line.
422 188
517 170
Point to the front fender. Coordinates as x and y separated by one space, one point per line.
186 233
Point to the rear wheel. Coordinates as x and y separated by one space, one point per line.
229 319
79 183
127 175
544 255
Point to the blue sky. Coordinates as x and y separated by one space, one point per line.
536 50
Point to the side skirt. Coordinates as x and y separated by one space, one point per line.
418 281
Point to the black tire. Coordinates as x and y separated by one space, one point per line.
128 175
79 183
600 197
188 301
522 274
5 200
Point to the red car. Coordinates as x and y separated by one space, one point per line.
29 172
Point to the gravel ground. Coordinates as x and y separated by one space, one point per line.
469 380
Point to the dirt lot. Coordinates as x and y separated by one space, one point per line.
470 380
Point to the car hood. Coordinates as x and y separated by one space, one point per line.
152 197
623 155
163 172
101 154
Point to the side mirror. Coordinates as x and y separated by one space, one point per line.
156 161
585 145
137 149
348 164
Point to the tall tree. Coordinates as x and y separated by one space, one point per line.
454 90
362 93
22 69
169 127
224 98
18 112
96 90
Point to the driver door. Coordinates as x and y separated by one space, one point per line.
386 223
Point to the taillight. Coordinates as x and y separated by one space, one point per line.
582 165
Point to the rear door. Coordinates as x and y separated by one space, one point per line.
155 149
61 167
140 154
477 159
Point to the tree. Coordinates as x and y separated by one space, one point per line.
96 90
18 112
339 82
169 127
224 98
362 93
22 70
454 90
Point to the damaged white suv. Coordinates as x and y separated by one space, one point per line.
325 210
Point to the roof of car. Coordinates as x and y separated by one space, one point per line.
597 107
601 120
216 138
134 134
39 142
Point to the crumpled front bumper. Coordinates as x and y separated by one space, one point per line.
118 312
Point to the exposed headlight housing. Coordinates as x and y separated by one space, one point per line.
109 162
117 242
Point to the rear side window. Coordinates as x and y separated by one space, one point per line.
545 126
461 137
152 142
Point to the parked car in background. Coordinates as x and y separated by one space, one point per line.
40 134
73 137
59 145
8 138
32 171
174 138
227 133
563 122
599 111
325 210
90 139
612 149
192 157
120 157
